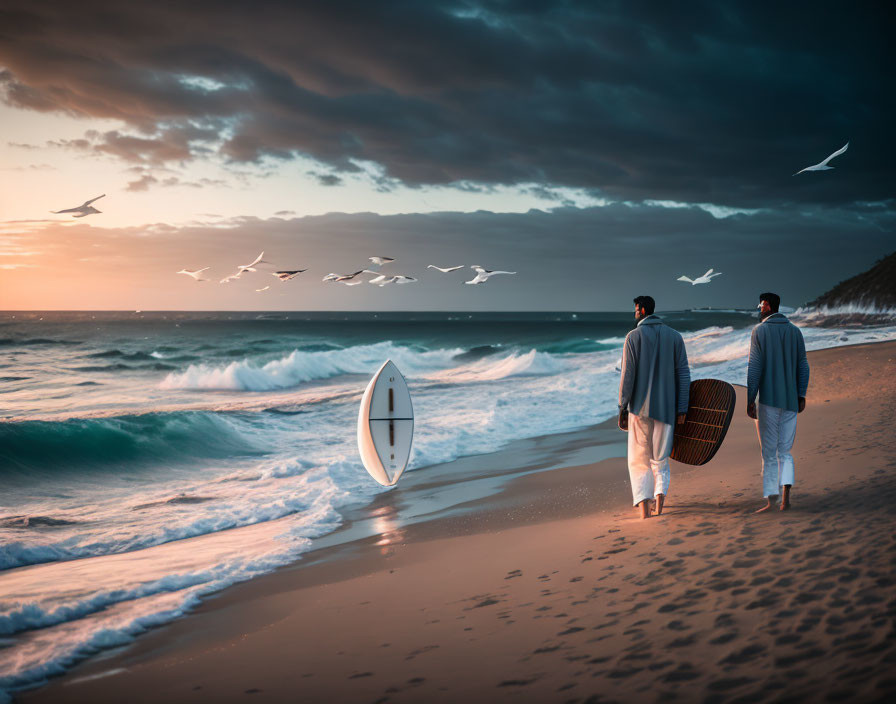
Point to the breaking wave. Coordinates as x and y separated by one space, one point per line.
38 447
300 366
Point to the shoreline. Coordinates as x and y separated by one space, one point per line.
545 510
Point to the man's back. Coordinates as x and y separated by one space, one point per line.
655 375
778 369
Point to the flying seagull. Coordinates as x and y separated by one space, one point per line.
705 279
446 270
251 267
379 261
287 275
342 278
381 280
84 209
823 165
194 274
397 279
232 277
259 290
483 274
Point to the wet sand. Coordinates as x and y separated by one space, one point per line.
553 590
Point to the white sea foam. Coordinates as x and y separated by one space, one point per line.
298 367
105 601
531 363
860 308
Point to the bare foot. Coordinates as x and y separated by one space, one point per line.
785 498
660 498
645 509
769 506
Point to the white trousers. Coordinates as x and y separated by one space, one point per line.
777 430
649 447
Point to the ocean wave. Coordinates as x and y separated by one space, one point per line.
714 331
531 363
174 500
114 367
118 354
117 597
850 316
12 341
41 447
173 357
299 367
121 366
33 522
477 352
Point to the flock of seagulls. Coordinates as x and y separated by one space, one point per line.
380 279
352 279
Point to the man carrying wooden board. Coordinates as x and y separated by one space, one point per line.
653 395
778 372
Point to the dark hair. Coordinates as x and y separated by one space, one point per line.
773 300
647 303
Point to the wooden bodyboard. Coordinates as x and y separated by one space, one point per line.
711 406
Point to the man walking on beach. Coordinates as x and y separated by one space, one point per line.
653 394
779 373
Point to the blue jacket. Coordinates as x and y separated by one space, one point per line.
778 370
656 379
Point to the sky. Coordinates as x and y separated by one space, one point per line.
600 150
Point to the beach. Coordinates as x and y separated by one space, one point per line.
553 589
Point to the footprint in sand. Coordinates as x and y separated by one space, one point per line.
682 673
677 626
516 683
620 673
748 654
724 638
788 639
546 649
486 602
728 683
684 642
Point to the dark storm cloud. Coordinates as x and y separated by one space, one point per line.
713 102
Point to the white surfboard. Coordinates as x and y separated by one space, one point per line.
386 425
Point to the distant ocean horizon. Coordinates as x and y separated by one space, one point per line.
172 453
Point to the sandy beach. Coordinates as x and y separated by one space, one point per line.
554 591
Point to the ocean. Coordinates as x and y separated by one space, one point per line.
148 459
